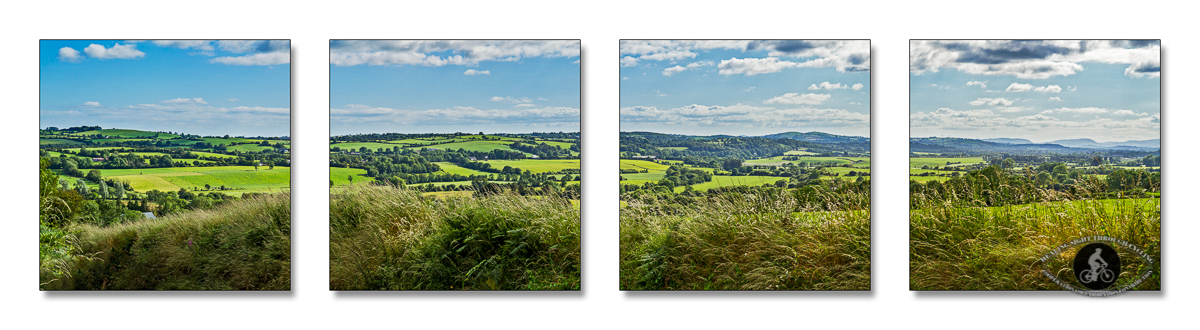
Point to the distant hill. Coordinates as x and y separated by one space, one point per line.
1008 141
819 137
1089 143
940 144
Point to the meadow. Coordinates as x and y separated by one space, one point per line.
997 248
240 179
241 245
443 151
744 242
537 165
384 238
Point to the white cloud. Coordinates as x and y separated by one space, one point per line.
1124 112
856 86
185 100
982 84
797 98
68 54
361 114
255 46
748 89
677 69
1033 59
1086 110
472 72
511 99
185 44
673 70
118 51
855 103
844 55
740 115
628 61
232 100
1019 87
828 86
753 66
457 52
624 78
1054 98
1012 109
991 101
275 58
1048 89
1079 121
1071 89
91 103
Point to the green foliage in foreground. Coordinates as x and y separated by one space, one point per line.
383 238
744 242
243 245
997 248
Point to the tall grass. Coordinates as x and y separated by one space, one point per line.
753 241
383 238
242 245
997 248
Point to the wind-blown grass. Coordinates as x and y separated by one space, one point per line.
383 238
745 242
997 248
243 245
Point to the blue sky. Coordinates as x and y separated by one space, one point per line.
447 86
746 87
1037 90
206 87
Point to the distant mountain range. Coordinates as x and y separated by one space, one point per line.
1008 140
939 144
1088 143
818 137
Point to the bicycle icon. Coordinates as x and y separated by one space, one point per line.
1099 269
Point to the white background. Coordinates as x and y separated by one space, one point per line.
599 24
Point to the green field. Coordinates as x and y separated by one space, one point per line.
455 169
537 165
341 176
426 141
729 181
472 146
640 178
674 148
128 133
243 179
632 164
76 150
918 162
354 146
249 148
209 154
44 141
799 153
453 183
861 162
